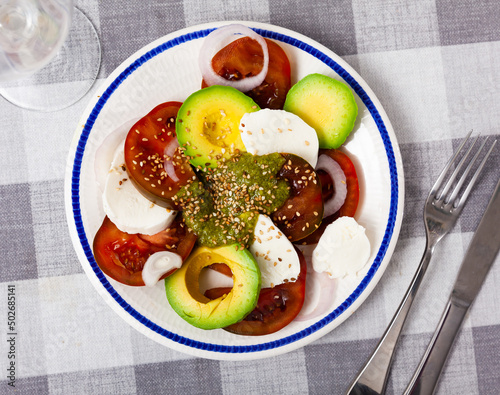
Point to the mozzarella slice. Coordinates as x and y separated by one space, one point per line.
278 261
106 151
267 131
343 248
126 207
158 264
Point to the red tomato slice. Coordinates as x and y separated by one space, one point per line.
122 256
352 199
151 156
275 309
244 58
221 268
301 213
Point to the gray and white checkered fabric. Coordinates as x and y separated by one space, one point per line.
434 65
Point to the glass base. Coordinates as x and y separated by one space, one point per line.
67 78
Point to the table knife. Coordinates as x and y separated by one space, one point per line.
478 259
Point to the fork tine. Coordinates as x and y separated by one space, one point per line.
441 177
462 179
454 175
464 196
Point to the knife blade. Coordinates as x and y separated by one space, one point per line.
481 253
477 261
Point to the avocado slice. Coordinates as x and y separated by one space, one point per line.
183 288
327 105
207 124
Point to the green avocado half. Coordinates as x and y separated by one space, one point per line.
183 288
207 124
327 105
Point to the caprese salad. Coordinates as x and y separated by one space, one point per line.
235 179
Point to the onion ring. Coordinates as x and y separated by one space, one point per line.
333 169
217 40
170 150
319 290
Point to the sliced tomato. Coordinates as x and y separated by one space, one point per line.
244 58
221 268
122 256
152 157
276 307
301 213
350 205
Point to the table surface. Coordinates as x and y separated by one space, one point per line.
435 67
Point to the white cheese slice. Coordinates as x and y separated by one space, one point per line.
126 207
343 248
278 261
158 264
267 131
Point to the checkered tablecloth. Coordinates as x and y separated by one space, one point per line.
434 65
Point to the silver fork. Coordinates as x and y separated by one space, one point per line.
442 208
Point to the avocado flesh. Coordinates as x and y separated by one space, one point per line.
207 124
325 104
184 296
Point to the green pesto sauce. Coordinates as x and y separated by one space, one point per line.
223 207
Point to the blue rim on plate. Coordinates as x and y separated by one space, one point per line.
77 216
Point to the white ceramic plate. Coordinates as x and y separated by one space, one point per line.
167 70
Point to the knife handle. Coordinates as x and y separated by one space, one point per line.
427 374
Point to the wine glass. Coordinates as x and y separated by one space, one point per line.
49 53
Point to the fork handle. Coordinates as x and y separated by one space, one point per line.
372 378
426 377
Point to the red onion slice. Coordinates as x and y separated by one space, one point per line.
337 175
324 286
319 290
217 40
169 165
